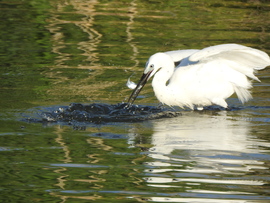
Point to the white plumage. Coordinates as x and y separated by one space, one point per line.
203 77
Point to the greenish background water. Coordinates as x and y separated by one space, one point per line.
56 52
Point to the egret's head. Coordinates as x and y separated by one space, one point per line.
155 62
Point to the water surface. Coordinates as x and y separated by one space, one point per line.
54 53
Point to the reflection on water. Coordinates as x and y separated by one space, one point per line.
213 152
85 13
197 131
94 24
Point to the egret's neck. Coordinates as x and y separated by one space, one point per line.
160 80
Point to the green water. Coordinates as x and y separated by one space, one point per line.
53 53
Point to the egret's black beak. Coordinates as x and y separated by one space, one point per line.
139 87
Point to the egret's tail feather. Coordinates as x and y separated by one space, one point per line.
242 93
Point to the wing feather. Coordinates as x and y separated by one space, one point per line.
244 59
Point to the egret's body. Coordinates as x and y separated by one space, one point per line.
203 77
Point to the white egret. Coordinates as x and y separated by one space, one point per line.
202 77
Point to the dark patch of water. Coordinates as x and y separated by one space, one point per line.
99 113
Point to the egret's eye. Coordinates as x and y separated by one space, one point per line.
152 66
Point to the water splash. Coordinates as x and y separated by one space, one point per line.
103 113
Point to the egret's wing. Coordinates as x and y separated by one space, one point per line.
178 55
243 59
240 54
214 50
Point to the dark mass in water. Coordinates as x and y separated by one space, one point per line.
104 113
